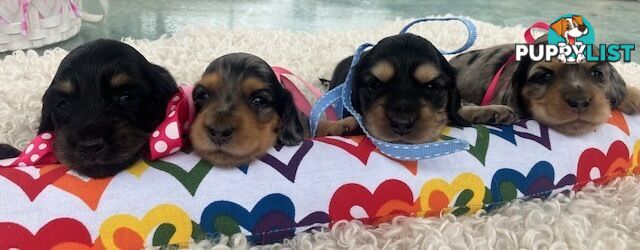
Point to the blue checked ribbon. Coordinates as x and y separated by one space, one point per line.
340 97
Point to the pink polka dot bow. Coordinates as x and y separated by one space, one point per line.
40 150
168 138
165 140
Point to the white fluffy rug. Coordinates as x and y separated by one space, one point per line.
598 218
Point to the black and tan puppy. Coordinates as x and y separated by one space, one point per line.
242 111
570 98
102 104
404 89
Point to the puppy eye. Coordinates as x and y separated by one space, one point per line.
375 85
596 74
62 105
542 78
259 102
200 94
433 85
123 99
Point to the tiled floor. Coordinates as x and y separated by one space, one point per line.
152 18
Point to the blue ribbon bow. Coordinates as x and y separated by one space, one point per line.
341 96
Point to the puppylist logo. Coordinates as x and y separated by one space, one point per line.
571 39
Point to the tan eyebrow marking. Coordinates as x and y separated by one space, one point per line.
211 81
65 87
554 66
119 80
426 72
383 70
252 84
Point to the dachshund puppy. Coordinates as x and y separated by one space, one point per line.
404 89
102 104
570 98
242 111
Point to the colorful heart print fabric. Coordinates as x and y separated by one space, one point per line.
181 198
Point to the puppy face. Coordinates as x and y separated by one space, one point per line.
570 98
103 102
242 111
405 90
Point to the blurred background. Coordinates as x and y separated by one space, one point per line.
614 21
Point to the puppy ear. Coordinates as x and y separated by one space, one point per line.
454 101
46 120
164 86
7 151
453 106
290 130
617 88
46 124
167 86
518 81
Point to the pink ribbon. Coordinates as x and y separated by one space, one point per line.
299 99
24 26
74 7
39 151
493 85
170 136
24 6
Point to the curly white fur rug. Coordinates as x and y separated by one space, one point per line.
597 218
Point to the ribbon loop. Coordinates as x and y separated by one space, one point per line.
471 28
285 77
169 136
539 25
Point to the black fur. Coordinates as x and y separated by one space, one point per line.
405 51
110 124
7 151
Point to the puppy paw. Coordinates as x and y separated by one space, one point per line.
490 114
631 103
346 126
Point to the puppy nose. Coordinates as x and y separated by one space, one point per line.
402 124
578 104
221 134
91 146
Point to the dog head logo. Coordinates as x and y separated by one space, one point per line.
570 28
571 32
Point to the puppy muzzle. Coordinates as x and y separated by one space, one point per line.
220 134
